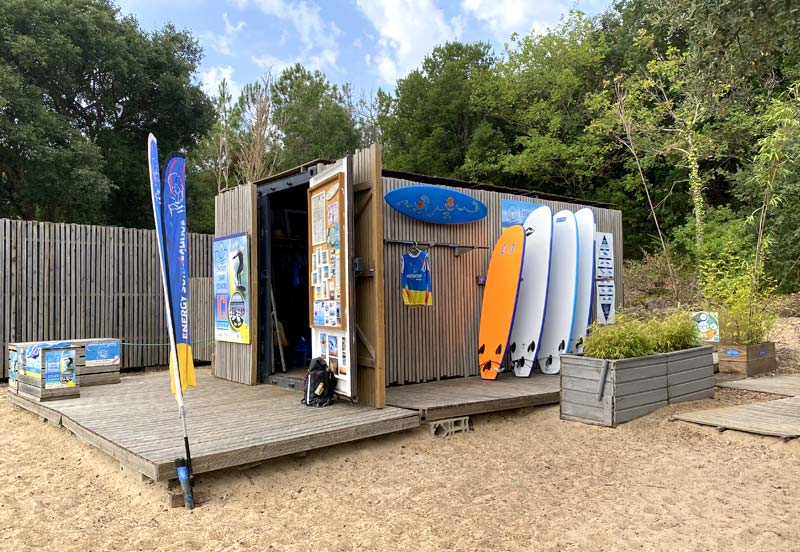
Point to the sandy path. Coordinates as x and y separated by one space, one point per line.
524 480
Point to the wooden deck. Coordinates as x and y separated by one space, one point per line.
787 385
136 422
438 400
779 418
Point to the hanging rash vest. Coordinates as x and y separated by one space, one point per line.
415 279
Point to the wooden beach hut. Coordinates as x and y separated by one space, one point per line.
413 356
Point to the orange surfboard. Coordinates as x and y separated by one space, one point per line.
500 300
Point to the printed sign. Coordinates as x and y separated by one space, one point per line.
33 365
604 255
60 369
606 311
103 353
515 212
232 289
707 325
13 366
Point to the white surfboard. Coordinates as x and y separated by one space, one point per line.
526 332
584 218
561 290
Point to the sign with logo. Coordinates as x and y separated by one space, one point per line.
232 289
707 325
515 212
59 368
103 353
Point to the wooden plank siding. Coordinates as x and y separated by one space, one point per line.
429 343
235 212
368 226
69 281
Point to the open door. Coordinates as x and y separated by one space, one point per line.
331 274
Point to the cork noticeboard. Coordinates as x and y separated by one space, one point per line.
327 255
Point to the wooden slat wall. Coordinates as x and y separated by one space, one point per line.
201 305
235 212
69 281
368 227
429 343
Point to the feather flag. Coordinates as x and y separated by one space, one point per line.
169 212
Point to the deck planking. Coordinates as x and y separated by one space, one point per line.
787 385
468 396
136 422
778 418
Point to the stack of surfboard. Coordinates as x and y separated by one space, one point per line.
537 304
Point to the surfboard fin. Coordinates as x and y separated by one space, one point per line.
579 343
532 347
549 360
482 348
514 347
498 350
561 346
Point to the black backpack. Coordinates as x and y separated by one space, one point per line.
319 384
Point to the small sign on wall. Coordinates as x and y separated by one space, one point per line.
232 289
604 255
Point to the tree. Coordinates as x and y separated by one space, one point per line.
429 123
261 126
81 89
316 119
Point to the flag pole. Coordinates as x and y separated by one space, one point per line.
157 196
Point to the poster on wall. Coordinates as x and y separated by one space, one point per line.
515 212
59 369
318 219
232 289
103 353
328 276
707 325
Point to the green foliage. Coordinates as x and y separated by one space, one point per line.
80 88
315 116
632 337
649 284
726 236
673 332
428 125
747 312
627 338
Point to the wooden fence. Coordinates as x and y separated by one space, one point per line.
69 281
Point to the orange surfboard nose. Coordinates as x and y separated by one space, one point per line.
500 300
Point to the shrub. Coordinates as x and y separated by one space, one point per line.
627 338
674 332
746 313
633 337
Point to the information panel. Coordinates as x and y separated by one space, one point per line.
232 289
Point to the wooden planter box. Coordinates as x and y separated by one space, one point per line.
690 374
633 387
749 360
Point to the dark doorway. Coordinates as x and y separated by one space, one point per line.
283 262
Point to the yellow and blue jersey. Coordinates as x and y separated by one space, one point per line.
415 279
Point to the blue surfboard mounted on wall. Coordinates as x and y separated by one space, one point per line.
436 204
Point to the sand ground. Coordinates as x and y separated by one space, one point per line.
523 480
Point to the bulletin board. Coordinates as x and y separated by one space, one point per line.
327 250
329 281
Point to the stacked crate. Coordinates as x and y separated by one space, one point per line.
103 361
45 371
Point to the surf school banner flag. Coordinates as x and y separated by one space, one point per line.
169 211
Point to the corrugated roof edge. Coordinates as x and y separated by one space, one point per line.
294 170
455 183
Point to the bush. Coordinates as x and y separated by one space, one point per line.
746 313
648 283
673 332
633 337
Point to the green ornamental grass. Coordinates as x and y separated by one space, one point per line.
632 337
